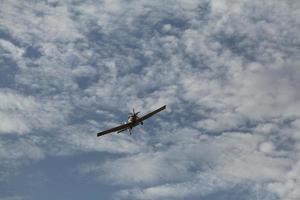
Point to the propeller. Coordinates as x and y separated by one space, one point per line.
133 113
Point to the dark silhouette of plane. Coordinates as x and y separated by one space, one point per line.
133 120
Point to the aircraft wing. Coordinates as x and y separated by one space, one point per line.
150 114
118 128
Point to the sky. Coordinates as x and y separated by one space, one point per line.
228 71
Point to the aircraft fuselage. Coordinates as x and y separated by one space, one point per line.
132 119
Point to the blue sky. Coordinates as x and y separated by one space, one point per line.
228 72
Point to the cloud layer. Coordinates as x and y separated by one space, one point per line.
227 71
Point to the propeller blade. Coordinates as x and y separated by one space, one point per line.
133 113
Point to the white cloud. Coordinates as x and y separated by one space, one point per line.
144 169
266 147
12 109
15 51
13 198
23 149
225 68
119 144
84 71
38 21
22 114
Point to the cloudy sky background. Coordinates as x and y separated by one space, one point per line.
228 72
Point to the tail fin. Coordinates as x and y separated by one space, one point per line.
122 130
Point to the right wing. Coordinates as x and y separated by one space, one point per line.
118 128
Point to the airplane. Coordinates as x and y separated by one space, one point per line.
133 120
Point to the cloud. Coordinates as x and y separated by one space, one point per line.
22 114
144 168
13 198
11 115
227 70
177 172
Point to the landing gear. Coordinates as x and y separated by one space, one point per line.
142 123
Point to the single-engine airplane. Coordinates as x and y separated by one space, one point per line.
133 120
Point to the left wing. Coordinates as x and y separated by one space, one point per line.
150 114
118 128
